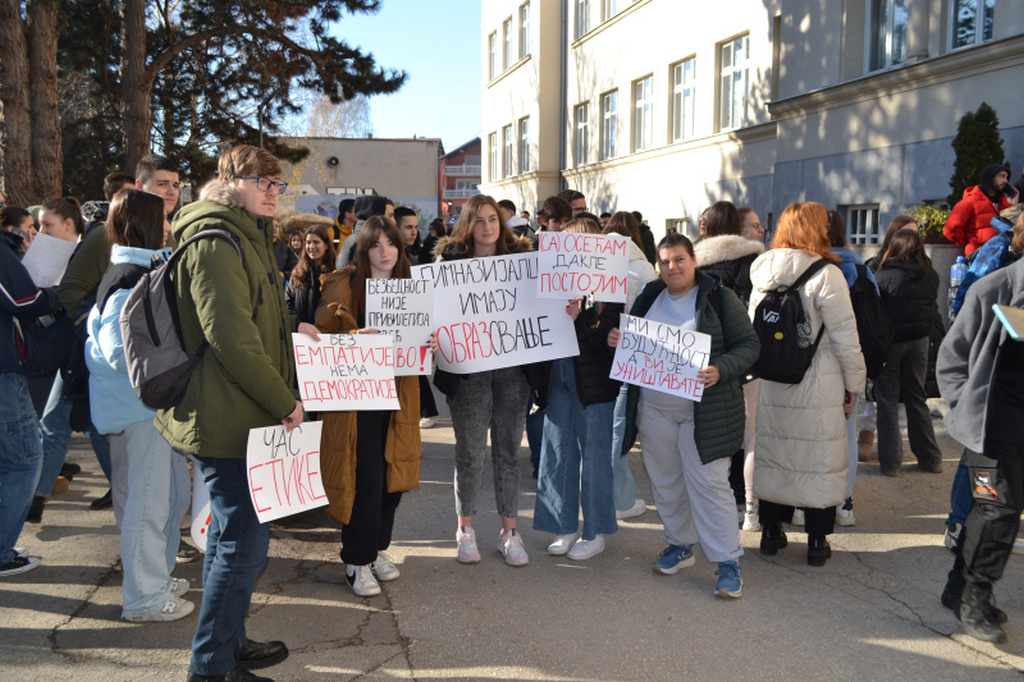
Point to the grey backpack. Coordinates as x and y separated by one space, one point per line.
159 368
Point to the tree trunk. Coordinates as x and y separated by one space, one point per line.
136 84
16 132
47 153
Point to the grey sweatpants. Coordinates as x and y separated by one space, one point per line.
494 399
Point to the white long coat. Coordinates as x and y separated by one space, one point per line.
802 456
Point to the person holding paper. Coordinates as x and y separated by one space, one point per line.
493 399
150 482
303 291
686 444
368 458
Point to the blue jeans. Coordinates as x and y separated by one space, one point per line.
236 550
623 486
159 489
20 457
56 426
574 463
961 498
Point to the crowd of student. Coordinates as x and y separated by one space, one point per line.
779 452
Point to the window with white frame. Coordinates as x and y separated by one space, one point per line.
609 124
506 36
492 166
971 22
862 224
683 75
582 139
507 142
524 30
524 145
582 17
492 51
643 114
887 21
609 8
735 70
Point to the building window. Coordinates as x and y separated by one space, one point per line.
507 142
682 99
524 145
582 18
506 34
609 123
862 224
966 15
524 30
888 28
492 51
680 226
582 138
643 114
492 166
735 83
609 8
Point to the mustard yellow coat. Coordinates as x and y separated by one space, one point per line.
338 447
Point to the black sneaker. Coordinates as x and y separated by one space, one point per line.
104 502
69 470
186 553
35 510
236 675
18 565
256 655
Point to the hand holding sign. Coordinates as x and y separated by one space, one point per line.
284 470
662 357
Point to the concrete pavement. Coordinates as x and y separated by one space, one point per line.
872 613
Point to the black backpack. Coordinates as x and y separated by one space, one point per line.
873 326
787 348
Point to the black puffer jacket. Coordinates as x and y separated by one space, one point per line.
909 290
303 301
729 257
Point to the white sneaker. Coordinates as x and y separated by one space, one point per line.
18 565
584 549
466 539
751 520
639 507
563 543
174 608
510 545
385 568
427 422
1018 546
361 579
798 517
179 586
844 514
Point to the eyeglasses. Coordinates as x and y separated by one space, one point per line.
264 185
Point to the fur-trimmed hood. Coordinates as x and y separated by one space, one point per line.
221 193
449 248
726 247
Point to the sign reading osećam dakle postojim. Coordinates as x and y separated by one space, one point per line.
487 314
342 372
661 357
573 264
403 309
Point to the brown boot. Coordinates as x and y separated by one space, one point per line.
865 441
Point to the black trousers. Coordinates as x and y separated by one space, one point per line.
818 522
373 510
997 485
428 408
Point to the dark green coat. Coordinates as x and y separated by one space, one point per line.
719 417
247 371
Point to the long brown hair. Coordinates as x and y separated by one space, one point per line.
136 218
906 245
301 271
721 218
803 226
462 233
375 228
625 224
897 224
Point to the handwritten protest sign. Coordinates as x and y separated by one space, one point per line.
403 309
487 314
200 509
47 258
284 470
346 372
573 264
661 357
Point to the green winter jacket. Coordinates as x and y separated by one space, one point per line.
247 371
719 417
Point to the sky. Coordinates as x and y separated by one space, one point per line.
438 45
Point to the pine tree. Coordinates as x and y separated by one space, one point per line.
977 144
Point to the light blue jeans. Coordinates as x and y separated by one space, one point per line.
21 455
158 496
623 485
574 465
56 429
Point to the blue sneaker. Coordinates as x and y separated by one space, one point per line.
674 558
730 582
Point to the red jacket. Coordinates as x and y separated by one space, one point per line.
969 223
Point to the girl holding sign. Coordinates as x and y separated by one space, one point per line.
369 458
494 399
687 445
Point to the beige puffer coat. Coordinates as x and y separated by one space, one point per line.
802 456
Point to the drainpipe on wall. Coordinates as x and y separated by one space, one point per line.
563 114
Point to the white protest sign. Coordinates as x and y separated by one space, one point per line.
661 357
403 309
573 264
200 509
346 372
284 470
47 258
487 314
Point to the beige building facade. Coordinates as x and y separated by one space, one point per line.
666 106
